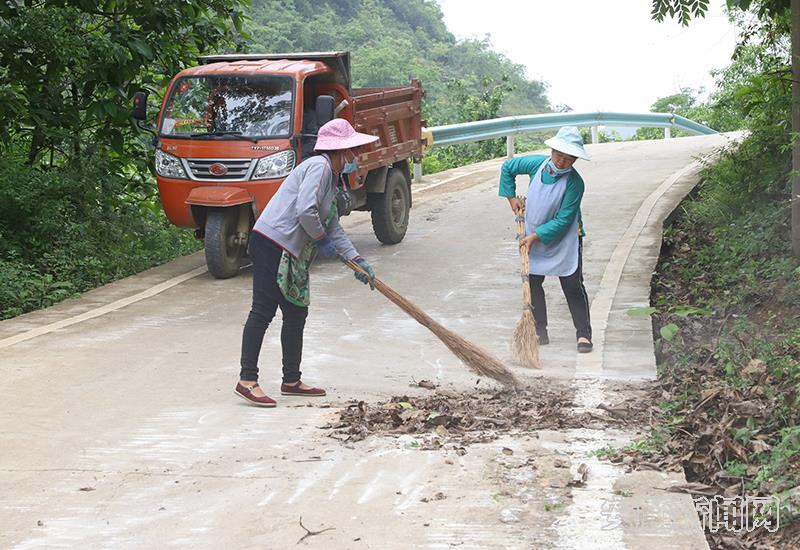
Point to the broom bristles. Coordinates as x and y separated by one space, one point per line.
525 343
474 358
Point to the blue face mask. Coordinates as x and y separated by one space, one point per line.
350 166
557 171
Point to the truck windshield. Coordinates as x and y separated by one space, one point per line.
220 106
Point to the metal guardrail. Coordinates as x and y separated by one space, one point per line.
508 127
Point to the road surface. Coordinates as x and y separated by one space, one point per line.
119 428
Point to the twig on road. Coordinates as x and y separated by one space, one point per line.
310 533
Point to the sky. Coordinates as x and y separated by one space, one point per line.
599 55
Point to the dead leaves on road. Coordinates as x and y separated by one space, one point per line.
475 416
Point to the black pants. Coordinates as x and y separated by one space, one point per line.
267 297
576 296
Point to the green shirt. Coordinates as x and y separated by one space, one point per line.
555 228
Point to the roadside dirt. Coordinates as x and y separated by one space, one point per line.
727 394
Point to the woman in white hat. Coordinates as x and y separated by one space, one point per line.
553 227
299 222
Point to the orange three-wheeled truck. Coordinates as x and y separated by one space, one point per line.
230 130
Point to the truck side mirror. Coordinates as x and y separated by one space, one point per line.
325 106
140 106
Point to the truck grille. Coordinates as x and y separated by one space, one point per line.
237 169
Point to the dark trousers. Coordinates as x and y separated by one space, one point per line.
576 296
267 297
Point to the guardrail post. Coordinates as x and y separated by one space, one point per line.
667 132
595 135
417 172
510 146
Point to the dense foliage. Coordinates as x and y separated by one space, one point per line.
392 41
70 68
727 290
78 205
69 230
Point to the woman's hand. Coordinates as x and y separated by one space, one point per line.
367 277
516 204
528 241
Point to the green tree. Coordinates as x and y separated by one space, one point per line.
684 103
603 136
70 67
77 200
782 16
392 40
471 107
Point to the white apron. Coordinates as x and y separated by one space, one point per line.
560 257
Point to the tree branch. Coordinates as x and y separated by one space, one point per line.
310 533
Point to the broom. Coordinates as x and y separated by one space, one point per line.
476 359
525 342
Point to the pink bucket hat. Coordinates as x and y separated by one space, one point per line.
339 134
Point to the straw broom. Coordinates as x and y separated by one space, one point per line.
525 342
476 359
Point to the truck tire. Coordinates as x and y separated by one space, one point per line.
224 254
390 208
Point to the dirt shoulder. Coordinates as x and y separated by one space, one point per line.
725 323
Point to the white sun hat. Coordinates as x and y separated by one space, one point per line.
568 140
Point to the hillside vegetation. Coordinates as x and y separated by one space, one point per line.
726 296
78 200
392 41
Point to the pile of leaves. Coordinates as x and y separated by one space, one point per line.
473 416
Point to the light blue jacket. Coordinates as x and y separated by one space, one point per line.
296 213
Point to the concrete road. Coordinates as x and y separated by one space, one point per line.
119 428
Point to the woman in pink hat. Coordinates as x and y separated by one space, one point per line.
299 222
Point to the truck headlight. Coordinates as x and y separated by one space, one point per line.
274 166
168 166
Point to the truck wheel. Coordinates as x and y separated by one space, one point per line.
390 209
224 252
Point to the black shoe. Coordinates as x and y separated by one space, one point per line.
543 338
584 347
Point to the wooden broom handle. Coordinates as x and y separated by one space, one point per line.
420 316
354 266
523 253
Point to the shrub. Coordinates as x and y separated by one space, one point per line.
71 229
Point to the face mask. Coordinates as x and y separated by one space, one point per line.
350 166
557 171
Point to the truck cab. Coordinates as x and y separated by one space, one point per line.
231 129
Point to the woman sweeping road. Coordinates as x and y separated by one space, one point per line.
300 221
553 227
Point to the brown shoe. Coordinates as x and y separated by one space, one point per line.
247 394
294 389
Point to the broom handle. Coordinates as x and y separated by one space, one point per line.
418 315
523 253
